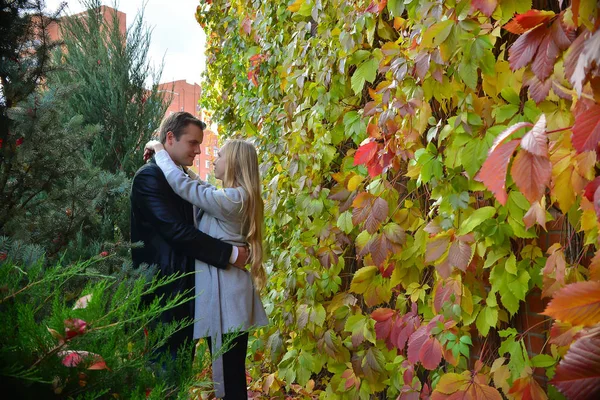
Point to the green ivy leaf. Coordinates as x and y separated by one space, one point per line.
344 222
367 71
475 219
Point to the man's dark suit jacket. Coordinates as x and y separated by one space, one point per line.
164 222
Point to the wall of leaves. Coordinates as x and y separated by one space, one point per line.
412 154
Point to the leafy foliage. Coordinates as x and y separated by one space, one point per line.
412 152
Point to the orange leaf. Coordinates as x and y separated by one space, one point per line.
577 304
595 267
526 21
531 174
527 388
535 214
562 334
493 171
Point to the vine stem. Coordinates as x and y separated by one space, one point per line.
560 130
573 92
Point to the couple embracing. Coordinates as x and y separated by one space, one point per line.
188 225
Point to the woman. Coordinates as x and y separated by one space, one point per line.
227 299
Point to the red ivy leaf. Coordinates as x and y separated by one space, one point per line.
525 47
416 341
578 374
444 292
404 327
591 188
378 215
597 203
588 57
572 57
351 379
487 7
459 255
538 90
556 40
526 21
380 247
383 325
436 247
531 174
365 153
586 131
431 353
493 171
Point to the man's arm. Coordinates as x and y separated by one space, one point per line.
150 195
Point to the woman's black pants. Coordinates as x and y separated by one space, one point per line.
234 367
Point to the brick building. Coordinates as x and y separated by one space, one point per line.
108 14
185 96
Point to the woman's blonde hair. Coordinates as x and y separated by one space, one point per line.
242 170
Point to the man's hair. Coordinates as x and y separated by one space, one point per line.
175 123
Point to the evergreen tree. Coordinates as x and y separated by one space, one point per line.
99 341
48 192
108 71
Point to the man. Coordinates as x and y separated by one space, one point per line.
164 222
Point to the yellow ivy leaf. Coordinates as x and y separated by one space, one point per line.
354 182
295 6
362 279
562 190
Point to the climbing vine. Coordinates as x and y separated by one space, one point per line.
413 153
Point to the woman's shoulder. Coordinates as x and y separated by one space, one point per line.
235 194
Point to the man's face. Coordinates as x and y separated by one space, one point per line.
184 151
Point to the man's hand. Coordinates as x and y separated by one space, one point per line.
242 258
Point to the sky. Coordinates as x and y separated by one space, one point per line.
176 35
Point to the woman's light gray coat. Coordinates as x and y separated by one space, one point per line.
226 298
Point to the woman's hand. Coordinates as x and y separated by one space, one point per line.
151 148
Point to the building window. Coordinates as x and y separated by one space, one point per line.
198 163
207 151
207 163
216 150
206 177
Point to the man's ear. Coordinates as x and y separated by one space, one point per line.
170 138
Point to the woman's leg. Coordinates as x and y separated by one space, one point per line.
234 367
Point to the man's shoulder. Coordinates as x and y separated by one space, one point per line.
149 169
149 174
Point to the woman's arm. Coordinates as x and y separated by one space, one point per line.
224 204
